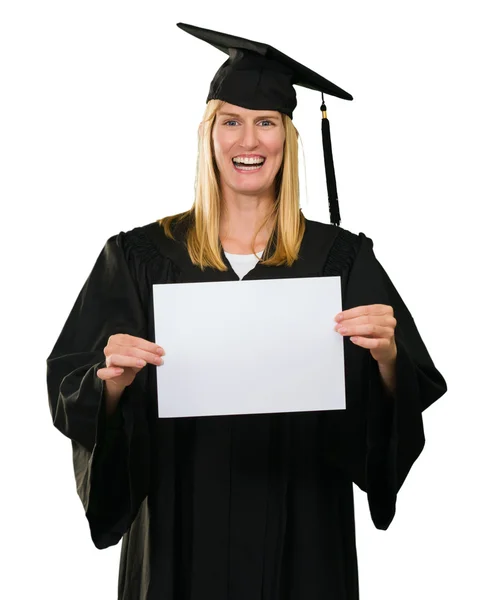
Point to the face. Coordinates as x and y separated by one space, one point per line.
248 146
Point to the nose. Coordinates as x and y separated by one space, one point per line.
249 139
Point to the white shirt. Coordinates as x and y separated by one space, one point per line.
243 263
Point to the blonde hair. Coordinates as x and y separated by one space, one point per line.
203 218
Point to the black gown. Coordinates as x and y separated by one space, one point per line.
244 507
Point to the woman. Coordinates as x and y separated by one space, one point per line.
249 506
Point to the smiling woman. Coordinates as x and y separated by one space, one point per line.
235 210
249 507
250 139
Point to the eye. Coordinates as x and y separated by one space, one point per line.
267 122
229 123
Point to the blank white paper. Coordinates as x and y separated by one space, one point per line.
249 347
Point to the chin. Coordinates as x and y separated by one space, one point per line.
252 187
251 190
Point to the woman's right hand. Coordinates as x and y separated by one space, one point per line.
126 355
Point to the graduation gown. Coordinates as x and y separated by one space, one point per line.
244 507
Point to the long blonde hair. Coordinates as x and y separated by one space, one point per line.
203 218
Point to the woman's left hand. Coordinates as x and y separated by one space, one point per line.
372 327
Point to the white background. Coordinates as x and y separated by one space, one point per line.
100 105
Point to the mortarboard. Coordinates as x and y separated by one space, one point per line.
259 77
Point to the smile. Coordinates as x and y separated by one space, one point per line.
248 164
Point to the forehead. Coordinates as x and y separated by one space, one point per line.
233 110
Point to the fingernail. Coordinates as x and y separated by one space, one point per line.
140 362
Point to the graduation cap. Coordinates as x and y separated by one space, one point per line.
259 77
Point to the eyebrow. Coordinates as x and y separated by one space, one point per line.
236 116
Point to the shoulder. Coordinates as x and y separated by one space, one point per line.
337 245
146 251
315 231
149 241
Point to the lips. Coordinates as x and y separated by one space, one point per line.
249 160
248 168
248 164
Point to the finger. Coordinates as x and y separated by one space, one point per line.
369 309
370 342
125 339
383 320
369 330
121 360
148 357
109 372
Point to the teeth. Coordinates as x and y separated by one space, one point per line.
248 161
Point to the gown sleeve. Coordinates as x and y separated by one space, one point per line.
110 456
380 436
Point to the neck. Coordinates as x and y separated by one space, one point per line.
241 216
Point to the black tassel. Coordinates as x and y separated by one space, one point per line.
332 192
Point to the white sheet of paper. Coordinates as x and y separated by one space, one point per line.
249 347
